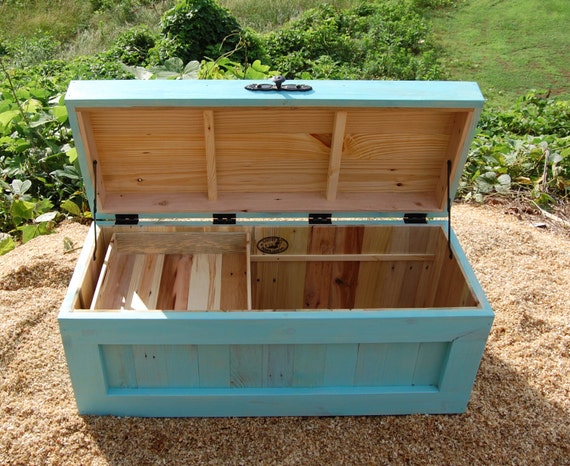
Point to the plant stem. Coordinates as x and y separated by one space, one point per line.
13 91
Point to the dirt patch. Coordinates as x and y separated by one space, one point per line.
519 412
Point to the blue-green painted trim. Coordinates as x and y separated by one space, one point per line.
223 93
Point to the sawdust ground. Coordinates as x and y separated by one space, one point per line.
519 411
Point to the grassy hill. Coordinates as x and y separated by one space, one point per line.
508 47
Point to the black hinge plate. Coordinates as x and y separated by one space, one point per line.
320 219
415 218
126 219
224 219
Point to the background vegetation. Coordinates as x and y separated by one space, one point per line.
515 50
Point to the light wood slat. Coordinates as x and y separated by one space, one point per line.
110 257
145 282
234 283
336 154
343 258
318 276
180 291
180 242
210 143
205 284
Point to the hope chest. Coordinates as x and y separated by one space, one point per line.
269 251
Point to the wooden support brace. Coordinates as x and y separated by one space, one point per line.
210 144
336 154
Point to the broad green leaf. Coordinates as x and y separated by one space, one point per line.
71 154
68 244
20 187
29 232
43 206
71 207
7 117
7 244
504 184
174 64
47 217
22 211
60 113
191 70
32 105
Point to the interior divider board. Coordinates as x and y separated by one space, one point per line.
180 242
344 258
210 145
108 261
336 154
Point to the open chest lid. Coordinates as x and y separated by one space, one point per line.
175 147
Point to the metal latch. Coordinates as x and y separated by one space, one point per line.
224 219
278 86
415 218
320 219
126 219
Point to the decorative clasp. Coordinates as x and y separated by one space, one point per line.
278 86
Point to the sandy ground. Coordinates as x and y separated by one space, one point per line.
519 411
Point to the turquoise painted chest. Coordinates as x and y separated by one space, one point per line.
272 252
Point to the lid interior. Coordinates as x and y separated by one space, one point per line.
272 159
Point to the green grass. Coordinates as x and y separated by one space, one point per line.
79 29
508 47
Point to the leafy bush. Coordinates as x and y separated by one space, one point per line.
29 51
370 41
198 29
534 113
132 47
39 172
524 149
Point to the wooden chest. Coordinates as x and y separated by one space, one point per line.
260 253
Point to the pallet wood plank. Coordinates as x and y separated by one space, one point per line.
309 365
344 278
246 366
205 283
278 363
234 283
370 364
340 364
318 277
214 366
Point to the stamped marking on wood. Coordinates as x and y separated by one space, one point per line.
273 245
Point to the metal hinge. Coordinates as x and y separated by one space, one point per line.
320 219
224 219
415 218
126 219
